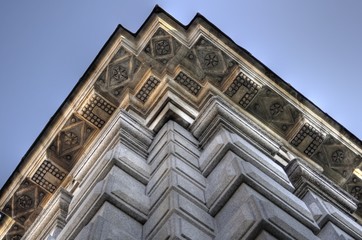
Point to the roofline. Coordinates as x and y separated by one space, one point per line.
238 49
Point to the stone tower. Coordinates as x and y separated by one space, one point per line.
175 132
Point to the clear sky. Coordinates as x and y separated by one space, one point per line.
46 46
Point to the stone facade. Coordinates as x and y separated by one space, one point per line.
177 133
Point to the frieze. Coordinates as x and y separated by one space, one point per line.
69 142
188 83
203 62
146 90
97 110
206 61
307 140
117 74
49 176
162 47
25 202
274 111
242 90
337 160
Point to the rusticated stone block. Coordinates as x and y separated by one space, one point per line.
172 203
119 189
177 227
224 141
111 223
169 177
325 212
233 171
332 232
247 213
175 140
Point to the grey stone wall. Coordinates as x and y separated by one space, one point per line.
226 189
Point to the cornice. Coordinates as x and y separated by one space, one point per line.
170 71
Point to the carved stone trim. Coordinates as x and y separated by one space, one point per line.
97 110
305 178
188 83
308 139
49 176
244 88
147 89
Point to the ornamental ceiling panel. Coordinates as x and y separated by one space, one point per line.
354 187
16 232
70 141
117 74
274 111
242 90
307 140
336 159
25 205
161 50
208 62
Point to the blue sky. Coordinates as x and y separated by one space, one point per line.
46 46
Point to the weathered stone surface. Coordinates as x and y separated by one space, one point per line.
305 179
111 223
174 202
53 219
224 141
118 188
26 204
234 171
331 232
247 213
131 172
325 212
275 111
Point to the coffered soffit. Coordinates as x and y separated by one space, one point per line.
167 70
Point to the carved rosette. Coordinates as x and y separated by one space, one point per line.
121 69
336 159
25 204
162 47
208 62
274 111
70 142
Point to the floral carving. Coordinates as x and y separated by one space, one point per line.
24 202
275 109
162 47
211 60
338 156
119 74
357 192
70 138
